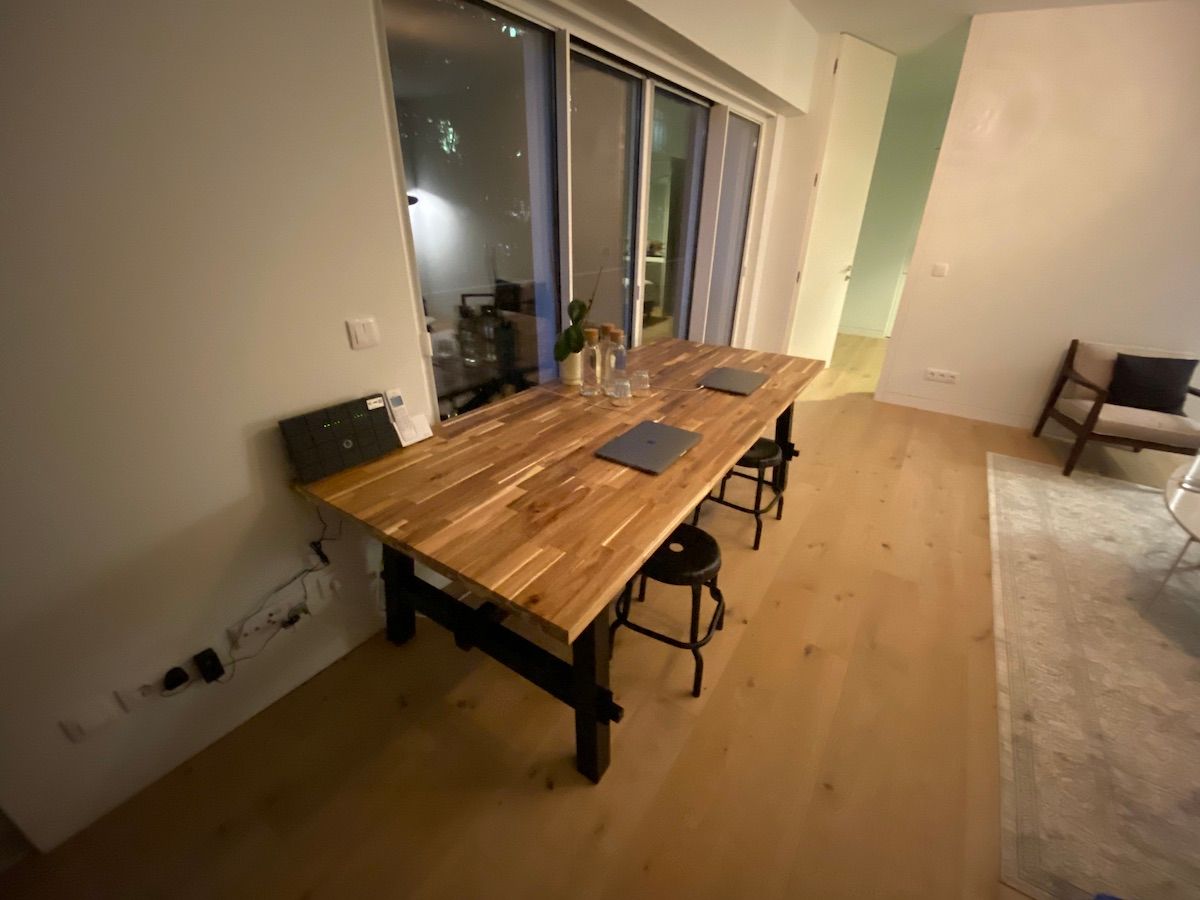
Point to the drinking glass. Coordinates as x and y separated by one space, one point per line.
621 392
640 382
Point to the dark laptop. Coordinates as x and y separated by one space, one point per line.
649 446
733 381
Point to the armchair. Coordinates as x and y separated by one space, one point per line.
1079 402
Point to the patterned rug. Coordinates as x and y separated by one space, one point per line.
1099 693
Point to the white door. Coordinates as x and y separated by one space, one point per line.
862 82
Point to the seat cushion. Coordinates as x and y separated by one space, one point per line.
763 455
1137 424
1151 382
689 556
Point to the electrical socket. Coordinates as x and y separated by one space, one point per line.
942 376
91 716
259 625
133 698
320 589
323 589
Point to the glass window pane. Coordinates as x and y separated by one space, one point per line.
605 145
733 217
474 103
673 213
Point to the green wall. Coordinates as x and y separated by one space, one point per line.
919 104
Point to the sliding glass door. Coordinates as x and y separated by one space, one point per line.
739 157
474 95
606 105
661 191
677 144
539 169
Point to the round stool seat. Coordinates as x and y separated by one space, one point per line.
763 455
689 556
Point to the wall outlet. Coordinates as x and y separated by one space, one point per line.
323 589
942 376
133 698
99 712
262 623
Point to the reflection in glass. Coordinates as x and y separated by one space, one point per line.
605 142
673 213
733 216
474 103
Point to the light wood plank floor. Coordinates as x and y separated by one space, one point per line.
844 746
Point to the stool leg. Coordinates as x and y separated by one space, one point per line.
696 514
758 489
779 505
642 590
695 637
721 495
720 598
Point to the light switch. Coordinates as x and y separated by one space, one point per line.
363 332
941 270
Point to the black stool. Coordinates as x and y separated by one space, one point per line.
765 454
688 557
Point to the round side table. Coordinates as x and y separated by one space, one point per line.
1184 505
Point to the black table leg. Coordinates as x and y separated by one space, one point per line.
398 572
590 654
783 437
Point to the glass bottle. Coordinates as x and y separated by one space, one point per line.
488 320
616 359
590 385
605 355
468 336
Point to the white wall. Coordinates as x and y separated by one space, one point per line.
196 196
1065 202
796 156
767 40
908 149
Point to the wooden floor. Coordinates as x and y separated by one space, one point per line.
845 744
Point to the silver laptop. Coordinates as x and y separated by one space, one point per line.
733 381
649 446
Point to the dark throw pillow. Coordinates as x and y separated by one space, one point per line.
1151 382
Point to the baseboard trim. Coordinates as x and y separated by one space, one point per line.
861 332
962 410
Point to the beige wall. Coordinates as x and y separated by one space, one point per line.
195 196
1064 201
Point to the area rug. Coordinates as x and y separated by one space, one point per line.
1099 691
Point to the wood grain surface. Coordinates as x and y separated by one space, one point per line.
512 501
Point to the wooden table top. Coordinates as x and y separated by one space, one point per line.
511 500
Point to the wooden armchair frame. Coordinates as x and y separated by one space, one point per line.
1085 431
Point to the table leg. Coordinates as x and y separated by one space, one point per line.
783 437
1175 565
398 572
590 655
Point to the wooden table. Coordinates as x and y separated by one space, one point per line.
511 502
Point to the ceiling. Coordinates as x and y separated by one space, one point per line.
906 26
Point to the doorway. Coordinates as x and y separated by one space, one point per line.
917 112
